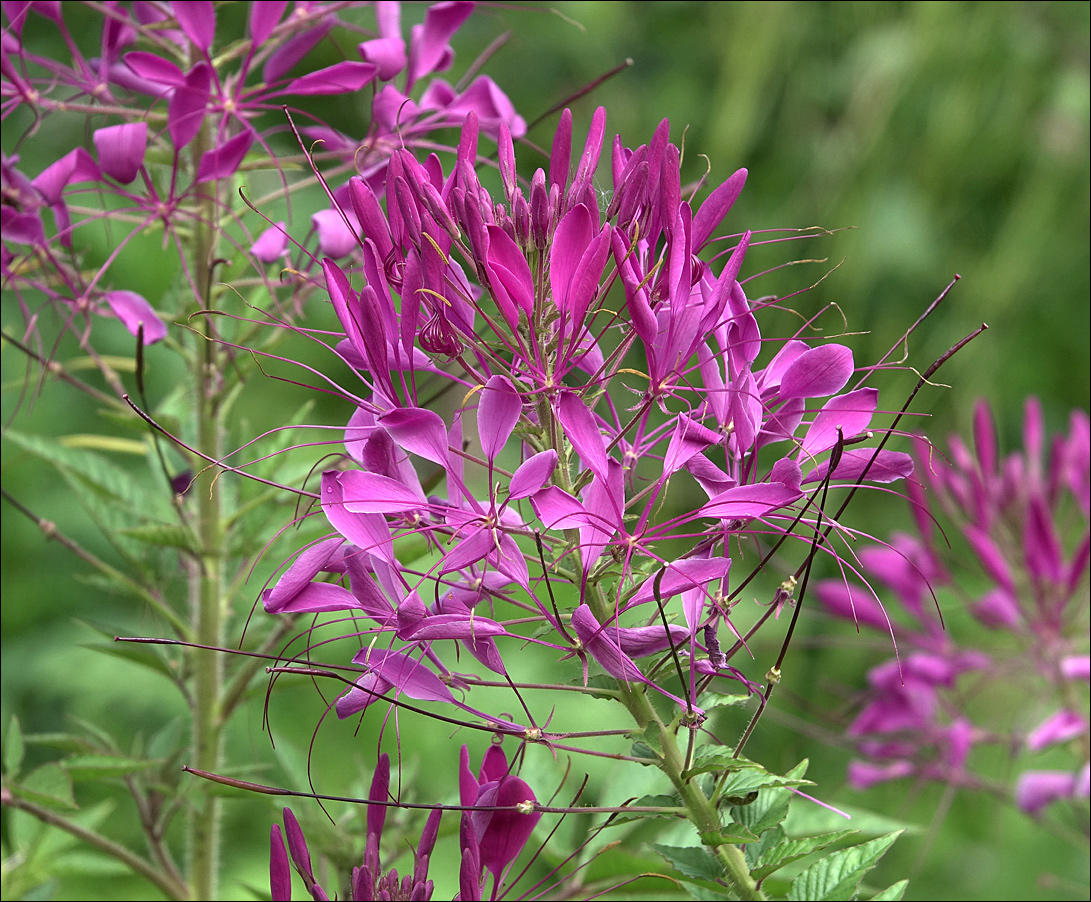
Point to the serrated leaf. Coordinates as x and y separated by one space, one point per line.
93 470
892 893
729 835
837 876
109 516
98 767
598 681
712 758
166 535
13 749
671 803
769 838
744 781
48 786
718 758
771 806
792 850
109 494
692 861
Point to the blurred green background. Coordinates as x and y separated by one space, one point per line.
936 138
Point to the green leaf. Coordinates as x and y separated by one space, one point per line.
692 861
106 742
744 781
111 443
598 681
718 758
107 584
65 742
109 494
774 836
48 785
647 743
893 892
837 876
93 470
13 749
671 803
89 863
648 755
134 652
98 767
712 700
792 850
109 516
168 740
713 758
771 806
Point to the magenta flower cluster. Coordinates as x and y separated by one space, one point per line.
168 93
586 473
1007 539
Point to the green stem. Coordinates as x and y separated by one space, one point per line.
700 810
207 601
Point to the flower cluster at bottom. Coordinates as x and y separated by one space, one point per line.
498 817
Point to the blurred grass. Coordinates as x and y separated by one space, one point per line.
940 138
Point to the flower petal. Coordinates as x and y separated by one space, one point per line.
134 312
340 78
497 415
224 161
121 149
817 373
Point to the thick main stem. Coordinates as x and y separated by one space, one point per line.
700 809
206 576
